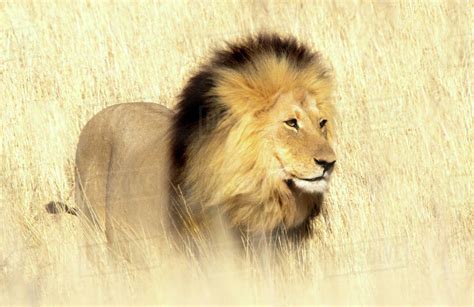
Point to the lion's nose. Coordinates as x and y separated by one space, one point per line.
327 166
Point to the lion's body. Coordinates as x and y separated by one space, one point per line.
122 165
247 147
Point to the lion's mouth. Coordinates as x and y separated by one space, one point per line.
322 177
318 184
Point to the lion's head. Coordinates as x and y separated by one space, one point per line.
252 134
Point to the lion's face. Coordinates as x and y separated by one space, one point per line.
298 138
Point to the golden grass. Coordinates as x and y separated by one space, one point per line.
398 225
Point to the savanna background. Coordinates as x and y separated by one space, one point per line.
398 222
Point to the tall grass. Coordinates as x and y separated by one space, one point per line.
398 222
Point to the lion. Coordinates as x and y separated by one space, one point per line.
247 147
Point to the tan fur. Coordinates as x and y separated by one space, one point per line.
122 163
269 76
243 167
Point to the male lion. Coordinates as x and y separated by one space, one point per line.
247 147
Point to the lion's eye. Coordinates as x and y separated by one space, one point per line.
293 123
322 123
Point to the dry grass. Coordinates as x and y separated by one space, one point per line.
399 220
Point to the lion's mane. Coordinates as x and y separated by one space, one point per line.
220 159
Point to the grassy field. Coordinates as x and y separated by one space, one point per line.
399 219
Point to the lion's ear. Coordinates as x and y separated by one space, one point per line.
269 103
275 96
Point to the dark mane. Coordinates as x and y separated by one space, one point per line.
240 54
196 108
